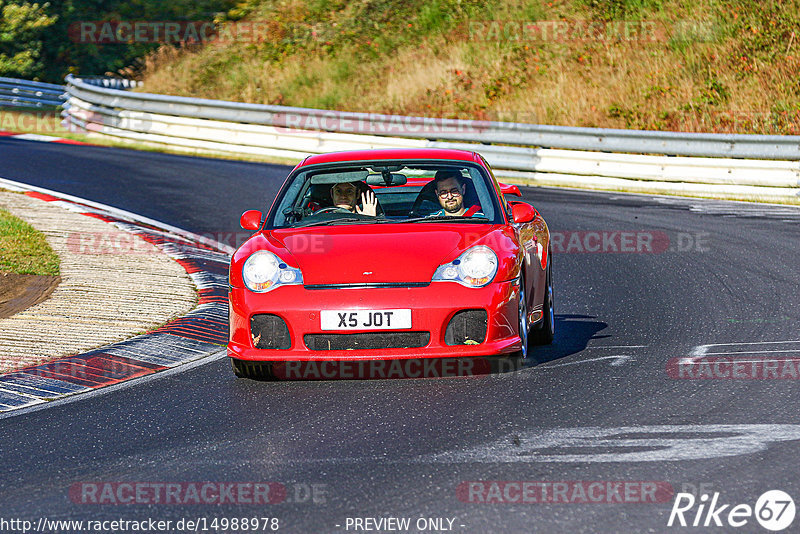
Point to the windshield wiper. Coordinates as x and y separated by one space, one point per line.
445 218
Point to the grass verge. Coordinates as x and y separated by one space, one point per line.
23 249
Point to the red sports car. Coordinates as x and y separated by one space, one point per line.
390 254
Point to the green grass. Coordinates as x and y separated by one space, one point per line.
23 249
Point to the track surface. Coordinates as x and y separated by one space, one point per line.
401 448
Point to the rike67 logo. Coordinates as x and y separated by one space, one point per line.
774 510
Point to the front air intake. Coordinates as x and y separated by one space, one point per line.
269 332
467 327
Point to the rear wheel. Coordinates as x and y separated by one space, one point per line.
254 370
546 332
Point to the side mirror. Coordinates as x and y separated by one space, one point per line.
510 190
522 212
251 220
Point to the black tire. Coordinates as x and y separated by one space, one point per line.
546 330
252 370
522 321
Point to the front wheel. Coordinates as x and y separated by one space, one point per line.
547 330
524 327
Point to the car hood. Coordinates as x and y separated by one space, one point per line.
376 254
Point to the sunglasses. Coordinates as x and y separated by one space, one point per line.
449 192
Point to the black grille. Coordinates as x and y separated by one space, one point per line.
368 340
269 332
467 327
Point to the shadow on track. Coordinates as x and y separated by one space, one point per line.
573 333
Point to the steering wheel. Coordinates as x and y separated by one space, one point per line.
332 209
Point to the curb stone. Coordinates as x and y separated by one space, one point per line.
196 335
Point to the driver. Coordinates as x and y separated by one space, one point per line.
345 194
450 189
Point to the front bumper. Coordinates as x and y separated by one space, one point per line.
431 306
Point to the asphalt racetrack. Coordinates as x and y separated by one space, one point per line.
636 401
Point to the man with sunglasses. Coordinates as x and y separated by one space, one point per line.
450 189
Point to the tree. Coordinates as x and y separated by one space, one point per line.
22 26
65 52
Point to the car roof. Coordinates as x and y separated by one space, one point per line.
391 154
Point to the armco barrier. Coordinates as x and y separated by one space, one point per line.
24 93
687 163
15 92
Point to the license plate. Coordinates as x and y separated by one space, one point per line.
365 319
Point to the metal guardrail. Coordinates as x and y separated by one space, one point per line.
688 163
110 82
15 92
42 86
25 93
608 140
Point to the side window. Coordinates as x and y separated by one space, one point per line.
282 215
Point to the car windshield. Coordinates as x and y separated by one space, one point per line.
383 192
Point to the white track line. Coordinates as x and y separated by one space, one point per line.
618 360
81 395
701 351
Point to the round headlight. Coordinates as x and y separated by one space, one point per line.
260 271
478 266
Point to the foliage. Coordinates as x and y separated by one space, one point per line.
622 9
22 25
686 65
63 50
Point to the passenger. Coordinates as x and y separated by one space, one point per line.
450 189
345 194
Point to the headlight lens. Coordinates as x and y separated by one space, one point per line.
264 271
474 268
